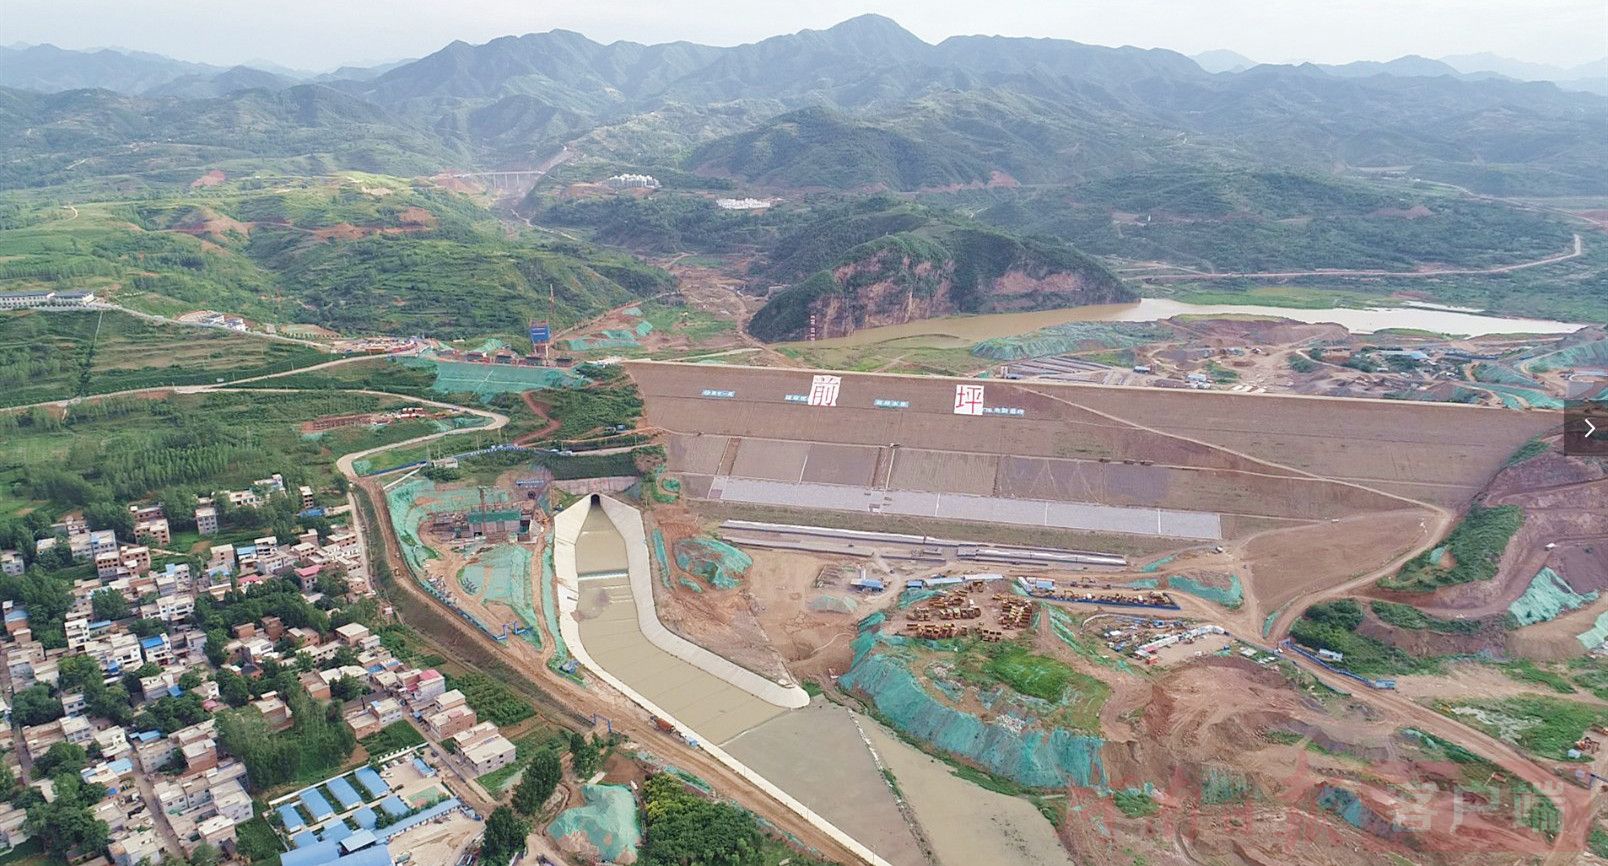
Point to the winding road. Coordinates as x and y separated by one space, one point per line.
1578 250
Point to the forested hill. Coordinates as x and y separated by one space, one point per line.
862 104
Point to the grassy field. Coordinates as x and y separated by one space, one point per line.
60 354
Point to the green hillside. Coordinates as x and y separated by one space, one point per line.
358 254
1270 220
816 147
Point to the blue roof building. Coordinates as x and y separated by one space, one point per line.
372 781
441 808
336 832
365 818
394 806
292 820
303 839
344 793
315 804
339 853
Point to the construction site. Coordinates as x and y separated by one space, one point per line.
1081 595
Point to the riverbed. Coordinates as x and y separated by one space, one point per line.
971 329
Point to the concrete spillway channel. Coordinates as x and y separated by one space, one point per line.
607 618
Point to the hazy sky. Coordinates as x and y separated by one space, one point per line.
322 34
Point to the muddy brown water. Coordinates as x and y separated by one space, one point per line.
971 329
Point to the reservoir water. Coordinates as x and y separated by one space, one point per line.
970 329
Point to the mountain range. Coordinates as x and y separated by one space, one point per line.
864 104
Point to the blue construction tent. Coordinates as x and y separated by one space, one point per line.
315 804
293 821
372 781
394 806
344 793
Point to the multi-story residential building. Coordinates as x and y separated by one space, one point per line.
206 518
153 531
157 649
485 747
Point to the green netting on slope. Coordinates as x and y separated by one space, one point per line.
1070 337
507 574
691 584
1153 567
614 338
663 489
908 597
1538 399
1145 583
550 604
1231 596
406 516
607 824
1436 555
1502 374
459 377
1061 624
1592 354
1267 624
1547 597
661 558
1345 804
1039 759
1596 635
717 562
1509 401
